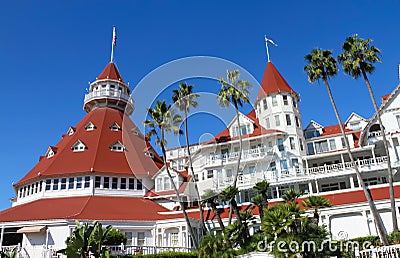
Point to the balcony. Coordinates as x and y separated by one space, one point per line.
273 176
113 94
247 155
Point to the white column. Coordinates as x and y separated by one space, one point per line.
310 188
1 237
180 236
373 154
316 185
351 179
343 162
277 192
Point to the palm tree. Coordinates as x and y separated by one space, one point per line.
321 65
229 194
277 220
357 59
316 202
209 197
258 201
163 120
184 98
291 196
236 92
262 188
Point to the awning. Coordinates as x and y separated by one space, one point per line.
32 229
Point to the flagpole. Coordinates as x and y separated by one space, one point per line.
266 45
113 41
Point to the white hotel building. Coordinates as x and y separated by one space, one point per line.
103 169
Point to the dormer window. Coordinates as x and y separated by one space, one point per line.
117 146
90 126
115 127
50 152
78 146
71 130
149 154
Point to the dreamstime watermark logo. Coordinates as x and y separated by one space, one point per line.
293 246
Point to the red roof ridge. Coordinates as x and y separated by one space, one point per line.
273 82
110 72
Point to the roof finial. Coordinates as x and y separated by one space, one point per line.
113 43
266 45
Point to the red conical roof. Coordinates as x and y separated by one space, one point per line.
97 158
273 82
110 72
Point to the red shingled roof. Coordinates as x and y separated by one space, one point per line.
97 157
225 136
110 72
273 82
333 129
385 97
86 208
337 199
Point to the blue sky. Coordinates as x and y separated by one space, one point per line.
50 50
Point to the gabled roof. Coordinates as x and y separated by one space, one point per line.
273 82
110 72
387 101
98 158
225 136
333 129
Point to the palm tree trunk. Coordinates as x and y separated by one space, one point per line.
372 207
191 231
216 213
385 143
203 227
265 200
239 157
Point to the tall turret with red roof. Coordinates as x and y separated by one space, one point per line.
277 108
105 154
109 90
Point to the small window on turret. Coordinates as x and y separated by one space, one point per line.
115 127
285 100
117 146
274 101
265 104
78 146
90 126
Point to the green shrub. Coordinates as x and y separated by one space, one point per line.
394 238
166 255
115 237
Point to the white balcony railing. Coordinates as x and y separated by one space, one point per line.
273 176
107 93
219 159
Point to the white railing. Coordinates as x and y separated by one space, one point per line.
392 251
272 176
363 163
106 93
216 159
134 249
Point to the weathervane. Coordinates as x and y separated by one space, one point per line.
113 43
266 45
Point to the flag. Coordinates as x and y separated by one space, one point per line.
270 41
114 40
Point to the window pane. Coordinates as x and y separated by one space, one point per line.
79 182
332 144
123 183
284 165
292 144
277 120
87 181
55 184
280 145
265 104
139 185
114 183
71 183
63 183
131 183
97 180
288 120
106 182
310 148
274 101
285 100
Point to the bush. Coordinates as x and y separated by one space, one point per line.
394 238
115 237
166 255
